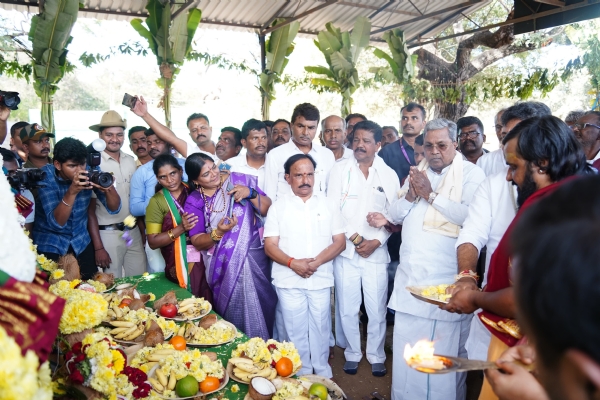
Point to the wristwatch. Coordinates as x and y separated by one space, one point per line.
253 194
432 197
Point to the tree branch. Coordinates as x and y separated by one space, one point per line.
434 68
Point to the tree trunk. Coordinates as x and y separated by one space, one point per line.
266 106
452 110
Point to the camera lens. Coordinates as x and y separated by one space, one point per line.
36 174
103 179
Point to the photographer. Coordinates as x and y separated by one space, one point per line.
23 197
36 142
61 213
105 228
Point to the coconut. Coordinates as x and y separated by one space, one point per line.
107 279
168 298
136 304
210 354
261 389
154 335
208 321
69 264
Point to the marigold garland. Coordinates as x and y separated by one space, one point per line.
83 310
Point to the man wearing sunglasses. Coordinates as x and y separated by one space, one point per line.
587 131
471 138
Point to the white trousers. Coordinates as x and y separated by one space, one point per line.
156 262
449 338
132 259
307 319
478 342
340 338
352 275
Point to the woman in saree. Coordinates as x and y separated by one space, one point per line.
167 227
229 207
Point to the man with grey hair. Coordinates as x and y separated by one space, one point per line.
333 134
573 116
432 206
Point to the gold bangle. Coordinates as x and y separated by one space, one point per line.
170 233
215 237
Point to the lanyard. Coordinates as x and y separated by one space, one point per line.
404 152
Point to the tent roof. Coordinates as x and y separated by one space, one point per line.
417 18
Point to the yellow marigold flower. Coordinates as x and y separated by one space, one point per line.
152 296
74 283
145 274
57 274
129 221
118 361
235 388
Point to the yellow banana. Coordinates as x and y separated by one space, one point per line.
156 385
273 374
117 311
172 381
263 373
240 360
111 314
185 302
185 308
155 357
135 334
181 330
122 324
161 377
252 369
126 333
118 330
243 375
151 365
164 352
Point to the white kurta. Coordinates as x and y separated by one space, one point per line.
304 230
275 184
492 163
357 196
239 164
191 149
428 258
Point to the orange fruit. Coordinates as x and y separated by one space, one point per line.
284 366
209 384
178 342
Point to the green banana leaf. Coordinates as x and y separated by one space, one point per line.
162 37
383 55
360 36
320 70
178 37
137 24
279 43
194 18
324 82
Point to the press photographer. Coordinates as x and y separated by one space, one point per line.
106 229
61 216
8 101
36 143
22 181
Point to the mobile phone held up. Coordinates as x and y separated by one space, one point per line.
129 100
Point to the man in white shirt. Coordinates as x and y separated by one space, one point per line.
303 234
587 132
434 206
305 120
254 139
198 124
280 134
333 134
111 250
358 186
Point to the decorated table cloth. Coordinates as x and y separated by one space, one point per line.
158 284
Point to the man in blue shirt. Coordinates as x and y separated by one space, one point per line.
61 207
143 187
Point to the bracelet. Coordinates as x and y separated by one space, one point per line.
467 274
65 203
170 233
215 237
253 194
355 240
289 264
362 239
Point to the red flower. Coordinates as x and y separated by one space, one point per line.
76 347
76 376
69 355
187 364
142 391
273 363
272 347
79 358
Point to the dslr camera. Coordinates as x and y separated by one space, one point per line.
9 100
27 178
94 158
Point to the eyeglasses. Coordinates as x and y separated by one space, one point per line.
583 126
470 135
440 146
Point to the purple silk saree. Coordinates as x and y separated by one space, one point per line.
237 269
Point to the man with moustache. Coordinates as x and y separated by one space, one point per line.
16 146
200 131
359 186
540 152
498 125
470 133
36 142
143 187
333 134
305 120
587 131
138 144
351 120
280 133
229 144
110 249
303 234
434 203
254 139
390 135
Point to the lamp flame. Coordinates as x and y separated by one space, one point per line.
421 356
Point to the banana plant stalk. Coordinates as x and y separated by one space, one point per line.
341 51
278 48
50 35
170 41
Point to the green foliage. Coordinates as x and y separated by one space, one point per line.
400 62
278 48
128 48
50 35
341 51
15 69
221 62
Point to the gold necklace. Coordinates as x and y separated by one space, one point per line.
210 206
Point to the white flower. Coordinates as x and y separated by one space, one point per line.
229 244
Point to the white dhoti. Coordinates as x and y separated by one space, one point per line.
449 338
478 342
279 332
353 277
306 318
132 259
156 262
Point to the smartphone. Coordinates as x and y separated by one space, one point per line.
129 100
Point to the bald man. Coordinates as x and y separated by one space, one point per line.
333 134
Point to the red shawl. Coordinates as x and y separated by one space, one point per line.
500 266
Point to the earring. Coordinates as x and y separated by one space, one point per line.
541 171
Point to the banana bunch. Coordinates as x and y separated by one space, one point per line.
245 369
162 382
125 330
192 307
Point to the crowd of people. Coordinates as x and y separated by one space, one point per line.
265 222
